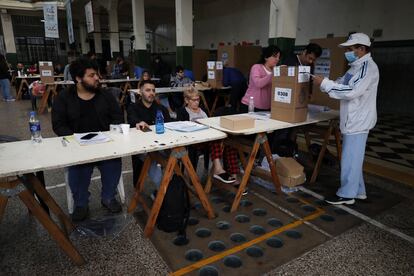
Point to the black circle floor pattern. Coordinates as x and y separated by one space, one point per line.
293 234
216 200
254 251
203 232
321 202
238 237
180 241
340 212
226 209
197 205
259 212
292 200
216 246
208 270
257 230
245 203
223 225
327 218
274 242
242 218
194 255
308 208
232 261
274 222
193 221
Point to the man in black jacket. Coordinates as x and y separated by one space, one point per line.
86 107
141 115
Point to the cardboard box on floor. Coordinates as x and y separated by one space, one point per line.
290 93
200 58
290 172
215 74
46 71
236 122
331 64
238 56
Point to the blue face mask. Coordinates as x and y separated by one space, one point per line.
350 56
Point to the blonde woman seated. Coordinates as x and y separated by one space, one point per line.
191 112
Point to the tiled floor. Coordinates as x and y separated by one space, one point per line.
25 248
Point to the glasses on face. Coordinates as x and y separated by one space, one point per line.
194 99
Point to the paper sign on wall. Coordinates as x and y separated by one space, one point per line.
219 65
276 71
51 21
303 74
210 65
211 75
283 95
291 71
323 67
89 17
69 23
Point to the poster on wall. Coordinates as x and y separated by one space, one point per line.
89 17
69 21
50 15
323 64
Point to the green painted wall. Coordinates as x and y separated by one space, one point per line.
285 44
185 56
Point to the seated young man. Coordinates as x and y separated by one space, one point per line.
192 112
179 80
86 107
141 115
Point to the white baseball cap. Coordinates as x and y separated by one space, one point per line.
356 38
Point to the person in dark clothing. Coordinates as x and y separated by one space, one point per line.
141 115
4 79
306 58
161 70
86 107
234 78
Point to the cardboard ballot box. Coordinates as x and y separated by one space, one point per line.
46 71
215 74
290 93
290 172
236 122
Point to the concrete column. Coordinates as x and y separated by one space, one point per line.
97 34
141 55
8 34
113 27
184 26
83 38
283 24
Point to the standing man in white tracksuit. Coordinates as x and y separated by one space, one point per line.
357 92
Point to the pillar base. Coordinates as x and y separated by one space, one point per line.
185 57
142 58
116 54
285 44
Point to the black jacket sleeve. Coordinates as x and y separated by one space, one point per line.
117 116
60 121
182 114
133 116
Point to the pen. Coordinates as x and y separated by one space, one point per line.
64 141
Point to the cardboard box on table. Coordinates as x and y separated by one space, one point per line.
236 122
290 93
46 71
200 58
331 64
215 74
290 172
238 56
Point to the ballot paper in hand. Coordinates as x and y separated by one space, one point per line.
99 138
185 126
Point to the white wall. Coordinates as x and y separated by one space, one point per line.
248 20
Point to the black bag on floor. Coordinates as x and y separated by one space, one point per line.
175 209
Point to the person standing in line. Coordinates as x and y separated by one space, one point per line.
357 92
4 80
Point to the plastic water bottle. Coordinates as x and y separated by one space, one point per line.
34 125
159 123
251 105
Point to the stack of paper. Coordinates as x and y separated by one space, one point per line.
258 115
99 138
185 126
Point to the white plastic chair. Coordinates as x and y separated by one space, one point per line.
69 197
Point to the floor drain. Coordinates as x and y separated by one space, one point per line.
226 209
321 202
257 230
292 199
259 212
197 205
193 255
193 221
274 222
254 251
245 203
274 242
339 211
216 246
232 261
293 234
308 208
223 225
216 200
203 232
327 218
208 271
180 241
242 218
237 237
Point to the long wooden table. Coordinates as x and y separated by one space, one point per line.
24 83
20 160
261 128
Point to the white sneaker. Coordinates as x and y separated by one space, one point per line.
362 197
